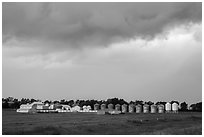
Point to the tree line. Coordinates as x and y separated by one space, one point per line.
14 103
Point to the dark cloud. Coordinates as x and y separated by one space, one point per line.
81 24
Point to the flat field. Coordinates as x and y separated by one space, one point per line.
93 124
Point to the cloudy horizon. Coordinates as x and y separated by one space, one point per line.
134 51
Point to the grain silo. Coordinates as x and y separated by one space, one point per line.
103 106
175 107
96 106
153 108
168 107
117 107
160 108
110 106
131 108
146 108
124 108
138 108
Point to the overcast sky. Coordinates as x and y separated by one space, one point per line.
134 51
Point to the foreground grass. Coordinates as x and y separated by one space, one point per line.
93 124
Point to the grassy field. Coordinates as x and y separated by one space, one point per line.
88 124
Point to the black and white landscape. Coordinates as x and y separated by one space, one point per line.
97 51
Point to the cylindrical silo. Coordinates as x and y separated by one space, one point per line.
110 106
160 108
124 108
96 106
168 107
153 109
117 107
138 108
103 106
175 107
131 108
146 108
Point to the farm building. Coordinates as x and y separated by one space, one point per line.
124 108
168 107
75 109
146 108
175 107
131 108
29 108
96 106
110 106
103 106
160 108
153 108
51 106
86 108
117 107
138 108
66 107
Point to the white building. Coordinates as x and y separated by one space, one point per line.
29 108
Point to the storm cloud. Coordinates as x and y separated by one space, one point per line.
75 25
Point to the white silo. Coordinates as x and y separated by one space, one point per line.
160 108
124 108
103 106
110 106
131 108
138 108
96 106
117 107
175 107
168 107
146 108
153 108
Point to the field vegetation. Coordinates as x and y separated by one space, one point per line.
183 123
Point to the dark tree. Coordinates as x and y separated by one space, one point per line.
149 103
161 102
184 106
139 102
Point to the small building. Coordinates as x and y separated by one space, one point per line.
84 107
131 108
124 108
88 107
96 106
138 108
117 107
103 106
175 107
146 108
168 107
153 108
160 108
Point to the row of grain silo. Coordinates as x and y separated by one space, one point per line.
168 108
